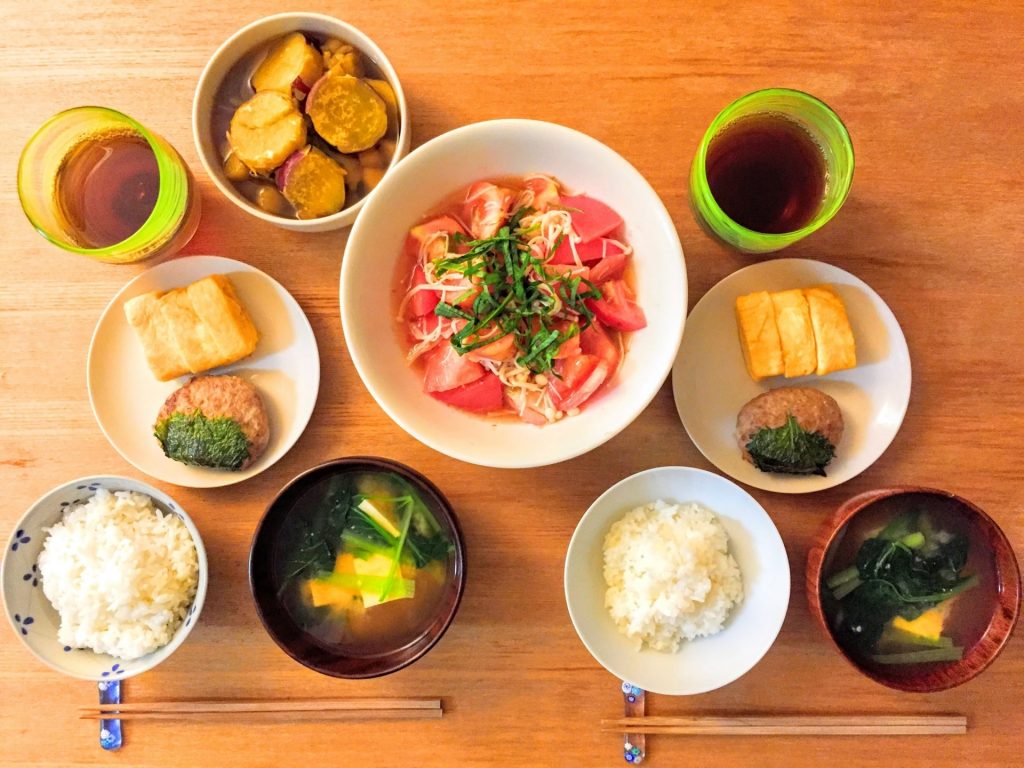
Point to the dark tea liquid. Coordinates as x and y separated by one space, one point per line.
107 189
767 173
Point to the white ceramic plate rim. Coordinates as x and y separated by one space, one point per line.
869 454
212 478
784 587
408 169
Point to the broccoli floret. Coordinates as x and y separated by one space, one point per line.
192 438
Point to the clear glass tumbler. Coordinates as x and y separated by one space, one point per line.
175 213
824 127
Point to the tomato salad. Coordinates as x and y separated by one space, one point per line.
517 298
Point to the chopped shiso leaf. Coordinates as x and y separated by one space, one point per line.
790 449
517 294
192 438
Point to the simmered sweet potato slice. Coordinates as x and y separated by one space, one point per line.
291 67
343 57
312 182
347 112
387 93
265 130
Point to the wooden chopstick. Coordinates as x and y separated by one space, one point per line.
282 705
792 725
338 715
283 711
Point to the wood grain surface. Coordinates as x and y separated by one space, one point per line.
931 95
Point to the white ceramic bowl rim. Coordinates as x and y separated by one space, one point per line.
707 663
353 35
409 172
90 483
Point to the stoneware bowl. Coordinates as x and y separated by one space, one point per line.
244 41
925 678
447 165
706 663
287 634
32 617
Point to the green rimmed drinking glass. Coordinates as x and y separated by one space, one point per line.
824 127
175 213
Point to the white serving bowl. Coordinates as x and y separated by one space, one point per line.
245 40
32 617
448 164
706 663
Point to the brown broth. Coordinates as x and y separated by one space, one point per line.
767 173
236 89
452 205
107 188
971 611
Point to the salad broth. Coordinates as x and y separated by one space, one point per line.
970 612
353 621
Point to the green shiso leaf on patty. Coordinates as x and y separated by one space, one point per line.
192 438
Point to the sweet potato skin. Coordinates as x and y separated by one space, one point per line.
312 182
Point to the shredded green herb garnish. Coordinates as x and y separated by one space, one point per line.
515 294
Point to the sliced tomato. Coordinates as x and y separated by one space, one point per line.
483 395
565 271
421 302
446 369
545 191
591 218
595 340
581 377
502 348
616 307
486 208
519 400
424 326
589 252
610 267
569 347
419 234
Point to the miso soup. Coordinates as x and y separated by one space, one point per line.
362 562
910 581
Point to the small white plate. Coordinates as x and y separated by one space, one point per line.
709 662
126 397
711 384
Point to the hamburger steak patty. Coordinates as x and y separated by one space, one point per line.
224 396
813 410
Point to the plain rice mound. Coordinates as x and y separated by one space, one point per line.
669 573
120 573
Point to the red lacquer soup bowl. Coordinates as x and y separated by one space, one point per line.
982 621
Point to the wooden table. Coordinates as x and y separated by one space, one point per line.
932 97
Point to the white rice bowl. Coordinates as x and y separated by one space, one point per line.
669 573
120 573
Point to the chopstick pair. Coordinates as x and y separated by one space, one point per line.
283 711
791 725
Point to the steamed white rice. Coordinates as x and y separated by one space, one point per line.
669 573
120 573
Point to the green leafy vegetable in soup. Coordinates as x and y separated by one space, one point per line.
790 449
891 604
361 559
192 438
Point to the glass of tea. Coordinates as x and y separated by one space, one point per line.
772 168
94 181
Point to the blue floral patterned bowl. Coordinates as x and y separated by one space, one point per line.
33 618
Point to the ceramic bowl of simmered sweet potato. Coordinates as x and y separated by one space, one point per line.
297 117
